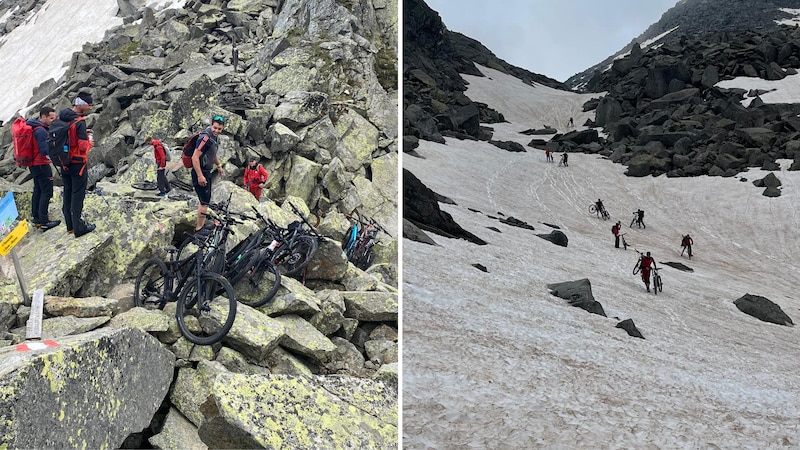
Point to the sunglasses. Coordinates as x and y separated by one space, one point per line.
219 119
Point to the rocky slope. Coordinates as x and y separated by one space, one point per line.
697 17
310 88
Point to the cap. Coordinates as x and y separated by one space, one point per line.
252 158
84 98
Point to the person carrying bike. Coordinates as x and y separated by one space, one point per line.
599 208
615 230
645 263
686 243
638 219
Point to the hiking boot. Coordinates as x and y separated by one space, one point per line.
89 228
48 225
203 232
162 194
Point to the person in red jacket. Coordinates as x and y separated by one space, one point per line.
76 177
255 177
645 263
161 165
41 171
686 243
615 230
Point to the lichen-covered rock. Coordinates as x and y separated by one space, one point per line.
57 327
254 334
86 391
301 337
177 432
315 412
80 307
143 319
371 306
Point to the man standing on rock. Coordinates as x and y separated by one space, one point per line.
76 175
41 171
203 161
160 155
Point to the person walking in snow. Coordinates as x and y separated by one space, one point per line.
615 230
638 219
686 243
571 123
563 161
645 264
548 154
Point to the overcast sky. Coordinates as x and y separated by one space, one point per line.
556 38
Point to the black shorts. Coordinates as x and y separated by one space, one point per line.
203 192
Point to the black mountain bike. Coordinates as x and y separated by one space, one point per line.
603 213
206 306
624 242
657 285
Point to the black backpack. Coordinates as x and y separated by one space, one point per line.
58 145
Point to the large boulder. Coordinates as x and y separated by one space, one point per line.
579 294
763 309
89 391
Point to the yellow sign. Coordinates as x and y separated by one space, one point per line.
14 237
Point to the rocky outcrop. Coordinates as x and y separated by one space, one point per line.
90 390
665 114
579 294
763 309
309 88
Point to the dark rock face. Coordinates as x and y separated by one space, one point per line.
679 266
762 309
421 208
480 267
513 221
511 146
663 115
630 328
434 103
578 293
556 237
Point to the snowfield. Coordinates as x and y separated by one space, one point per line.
493 360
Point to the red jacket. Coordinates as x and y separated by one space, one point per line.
159 153
255 176
615 230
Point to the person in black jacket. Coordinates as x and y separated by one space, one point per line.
204 160
76 175
41 171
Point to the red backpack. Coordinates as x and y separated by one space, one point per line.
188 150
25 150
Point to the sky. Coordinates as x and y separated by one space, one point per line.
553 38
493 360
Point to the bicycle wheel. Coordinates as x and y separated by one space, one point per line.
259 284
593 209
300 253
606 215
659 285
636 269
364 258
206 309
149 291
244 264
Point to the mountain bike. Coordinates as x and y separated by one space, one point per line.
603 213
624 242
222 222
636 220
657 285
359 240
206 306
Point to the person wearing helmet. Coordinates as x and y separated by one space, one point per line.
255 177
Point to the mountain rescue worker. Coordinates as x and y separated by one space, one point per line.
686 243
42 171
204 160
76 176
160 154
615 230
645 263
255 177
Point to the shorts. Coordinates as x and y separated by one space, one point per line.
203 192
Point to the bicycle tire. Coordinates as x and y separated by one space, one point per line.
302 250
606 215
636 269
239 269
265 271
593 209
149 290
214 309
659 284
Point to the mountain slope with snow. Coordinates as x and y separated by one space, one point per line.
492 360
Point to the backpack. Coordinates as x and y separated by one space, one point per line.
188 150
24 143
58 146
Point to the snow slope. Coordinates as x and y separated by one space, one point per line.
492 360
41 48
